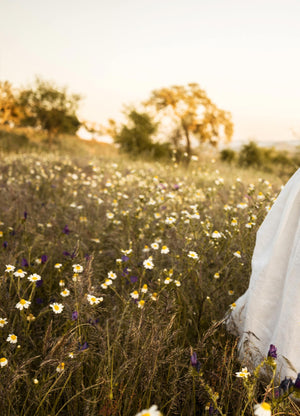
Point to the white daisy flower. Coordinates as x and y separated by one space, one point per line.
164 250
93 300
23 304
3 361
262 409
65 293
56 307
12 338
20 273
111 275
170 220
216 234
77 268
155 246
134 294
148 263
3 321
144 288
152 411
60 368
242 205
193 255
34 277
243 374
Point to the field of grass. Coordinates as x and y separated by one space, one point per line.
114 273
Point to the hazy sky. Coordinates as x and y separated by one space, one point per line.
244 53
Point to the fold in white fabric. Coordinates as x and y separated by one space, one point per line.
268 312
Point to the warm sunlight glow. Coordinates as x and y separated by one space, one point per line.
244 54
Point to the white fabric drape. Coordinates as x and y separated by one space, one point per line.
268 312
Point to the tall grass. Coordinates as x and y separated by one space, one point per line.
146 260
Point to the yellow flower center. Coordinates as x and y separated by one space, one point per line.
266 406
56 307
93 299
19 271
2 360
23 302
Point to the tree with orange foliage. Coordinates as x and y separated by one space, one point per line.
10 111
195 114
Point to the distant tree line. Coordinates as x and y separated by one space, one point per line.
43 106
171 119
190 115
263 158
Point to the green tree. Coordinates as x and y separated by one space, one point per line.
251 155
50 108
194 114
135 137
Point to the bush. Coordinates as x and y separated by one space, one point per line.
251 155
228 155
12 142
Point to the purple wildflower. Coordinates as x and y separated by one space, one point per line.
39 283
5 244
93 321
74 315
297 382
83 347
24 263
125 272
66 230
124 258
133 279
272 351
194 362
44 258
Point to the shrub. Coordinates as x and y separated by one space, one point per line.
251 155
228 155
13 142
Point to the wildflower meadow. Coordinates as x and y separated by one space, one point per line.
116 277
